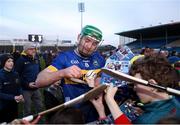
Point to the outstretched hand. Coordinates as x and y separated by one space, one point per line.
98 104
110 92
21 121
32 122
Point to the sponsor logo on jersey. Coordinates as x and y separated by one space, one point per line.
95 63
74 62
86 65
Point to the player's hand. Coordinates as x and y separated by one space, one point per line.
90 78
72 72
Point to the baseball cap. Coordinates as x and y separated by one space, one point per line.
92 32
29 46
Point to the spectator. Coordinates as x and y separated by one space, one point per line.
169 120
16 54
173 60
118 116
157 104
147 51
53 96
68 116
10 90
75 64
28 68
22 121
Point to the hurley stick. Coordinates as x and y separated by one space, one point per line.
126 77
93 93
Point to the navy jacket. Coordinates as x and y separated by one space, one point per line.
9 87
28 69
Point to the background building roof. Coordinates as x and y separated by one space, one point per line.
166 30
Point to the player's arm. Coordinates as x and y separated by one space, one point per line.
48 77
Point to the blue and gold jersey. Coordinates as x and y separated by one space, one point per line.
66 59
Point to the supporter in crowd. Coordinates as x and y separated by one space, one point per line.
53 96
16 54
42 62
147 51
10 90
118 116
28 68
22 121
164 53
177 67
68 116
75 64
174 53
75 116
157 104
173 59
169 120
49 58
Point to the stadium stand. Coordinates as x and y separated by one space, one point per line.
162 36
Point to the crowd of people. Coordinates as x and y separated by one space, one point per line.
69 75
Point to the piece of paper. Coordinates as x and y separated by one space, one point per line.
119 61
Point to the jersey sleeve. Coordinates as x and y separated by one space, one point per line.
58 63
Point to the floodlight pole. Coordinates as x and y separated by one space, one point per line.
81 9
81 20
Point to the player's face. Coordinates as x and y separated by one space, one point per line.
9 64
143 92
87 45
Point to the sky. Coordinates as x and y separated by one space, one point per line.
61 18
